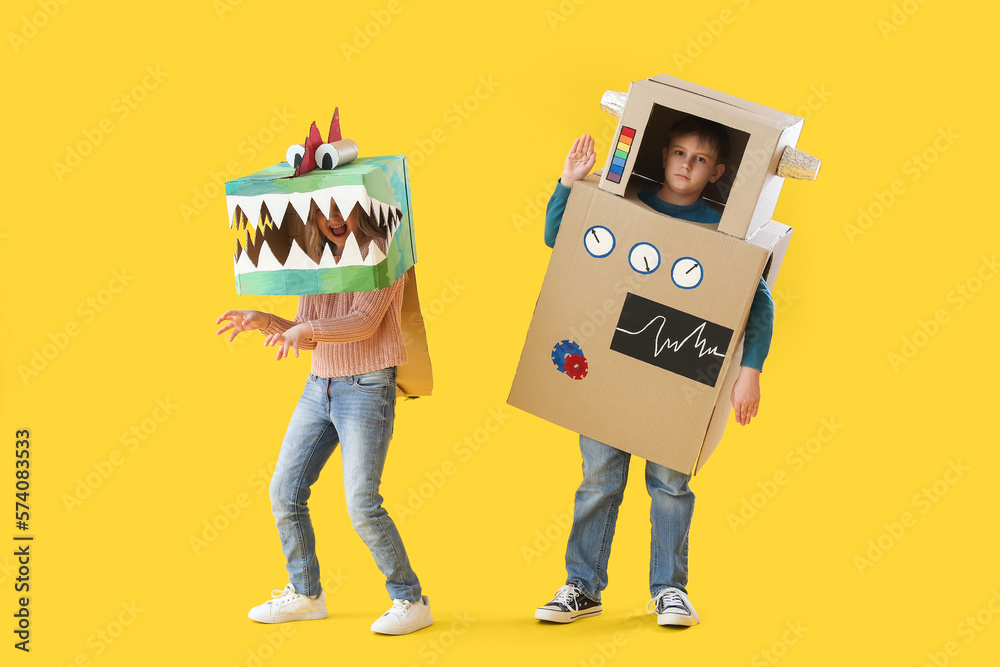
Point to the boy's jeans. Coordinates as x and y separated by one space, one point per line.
605 473
357 412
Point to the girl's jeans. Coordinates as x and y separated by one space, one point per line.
357 412
605 473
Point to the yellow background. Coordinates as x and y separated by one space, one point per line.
488 542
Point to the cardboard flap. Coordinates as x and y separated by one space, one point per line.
414 378
720 416
778 119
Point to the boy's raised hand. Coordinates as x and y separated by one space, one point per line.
579 161
242 320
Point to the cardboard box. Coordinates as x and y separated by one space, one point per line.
277 253
757 135
637 334
656 353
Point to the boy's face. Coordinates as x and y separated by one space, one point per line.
689 165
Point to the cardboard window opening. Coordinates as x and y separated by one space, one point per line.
649 157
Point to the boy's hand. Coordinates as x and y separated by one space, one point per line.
292 338
746 394
242 320
579 161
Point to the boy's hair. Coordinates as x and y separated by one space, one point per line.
710 132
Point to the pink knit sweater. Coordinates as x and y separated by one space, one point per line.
353 332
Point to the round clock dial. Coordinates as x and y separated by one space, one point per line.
687 273
644 257
599 241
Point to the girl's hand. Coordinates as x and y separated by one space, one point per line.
292 338
746 394
579 161
242 320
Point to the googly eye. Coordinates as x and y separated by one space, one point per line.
327 157
332 155
295 154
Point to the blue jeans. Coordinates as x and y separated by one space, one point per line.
357 412
605 473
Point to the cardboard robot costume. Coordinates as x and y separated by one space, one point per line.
641 316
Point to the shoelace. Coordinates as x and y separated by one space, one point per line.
287 594
664 599
568 595
399 608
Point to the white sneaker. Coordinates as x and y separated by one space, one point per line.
672 607
288 605
404 617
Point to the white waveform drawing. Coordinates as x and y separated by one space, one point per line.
699 342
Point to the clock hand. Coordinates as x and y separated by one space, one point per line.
646 261
693 267
596 237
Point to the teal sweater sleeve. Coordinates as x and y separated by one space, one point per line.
760 326
760 322
554 213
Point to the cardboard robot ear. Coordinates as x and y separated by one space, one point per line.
798 165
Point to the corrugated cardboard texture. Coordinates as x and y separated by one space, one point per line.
414 378
776 237
622 401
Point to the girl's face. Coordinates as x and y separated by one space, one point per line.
336 228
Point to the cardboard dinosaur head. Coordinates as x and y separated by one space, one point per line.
276 214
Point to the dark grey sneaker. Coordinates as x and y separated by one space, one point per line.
672 607
568 605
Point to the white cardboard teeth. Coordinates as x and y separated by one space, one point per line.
326 260
298 259
231 204
374 255
345 203
300 201
267 261
276 205
352 253
244 265
346 197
